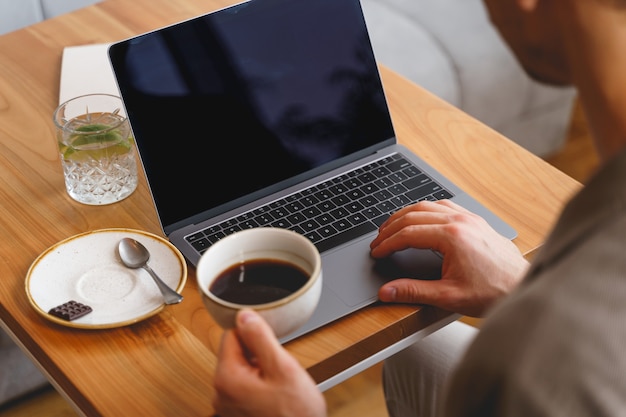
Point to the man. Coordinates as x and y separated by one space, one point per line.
553 340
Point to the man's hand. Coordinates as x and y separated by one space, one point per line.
256 376
479 265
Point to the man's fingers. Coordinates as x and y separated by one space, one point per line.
259 339
410 236
412 291
440 206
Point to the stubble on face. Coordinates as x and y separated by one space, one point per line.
533 38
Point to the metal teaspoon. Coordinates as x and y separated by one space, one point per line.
135 255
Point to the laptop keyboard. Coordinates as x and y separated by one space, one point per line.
337 210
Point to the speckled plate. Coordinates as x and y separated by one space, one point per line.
87 268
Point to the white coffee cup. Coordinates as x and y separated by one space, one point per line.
266 248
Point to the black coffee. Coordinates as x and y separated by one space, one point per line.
258 281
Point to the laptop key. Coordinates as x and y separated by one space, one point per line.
229 223
279 213
380 219
397 177
249 224
282 223
342 225
443 195
339 213
417 181
309 200
381 172
371 212
346 236
398 165
355 194
232 229
354 207
357 218
383 182
385 206
264 219
340 200
423 191
201 244
401 201
368 201
195 236
313 236
368 189
294 207
311 212
309 225
397 189
296 218
366 178
327 231
353 183
323 195
411 171
383 195
324 219
245 216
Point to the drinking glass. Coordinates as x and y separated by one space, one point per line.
97 149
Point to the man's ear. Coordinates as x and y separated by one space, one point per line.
527 5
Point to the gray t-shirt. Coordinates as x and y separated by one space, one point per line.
557 345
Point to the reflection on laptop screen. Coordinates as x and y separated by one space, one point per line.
295 87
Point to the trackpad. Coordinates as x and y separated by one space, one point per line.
355 277
410 263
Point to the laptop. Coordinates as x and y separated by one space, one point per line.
273 113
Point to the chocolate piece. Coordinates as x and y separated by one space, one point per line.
70 310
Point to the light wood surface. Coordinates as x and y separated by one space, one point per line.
164 365
361 395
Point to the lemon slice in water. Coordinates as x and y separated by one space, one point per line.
103 142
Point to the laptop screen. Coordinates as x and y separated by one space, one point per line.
248 99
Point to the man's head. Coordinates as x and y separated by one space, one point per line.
577 42
531 29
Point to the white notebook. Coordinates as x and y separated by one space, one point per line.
84 70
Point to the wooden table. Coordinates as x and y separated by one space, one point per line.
164 365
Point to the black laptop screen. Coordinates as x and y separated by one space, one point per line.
248 97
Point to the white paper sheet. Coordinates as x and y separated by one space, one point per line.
84 70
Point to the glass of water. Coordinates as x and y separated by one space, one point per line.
97 149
